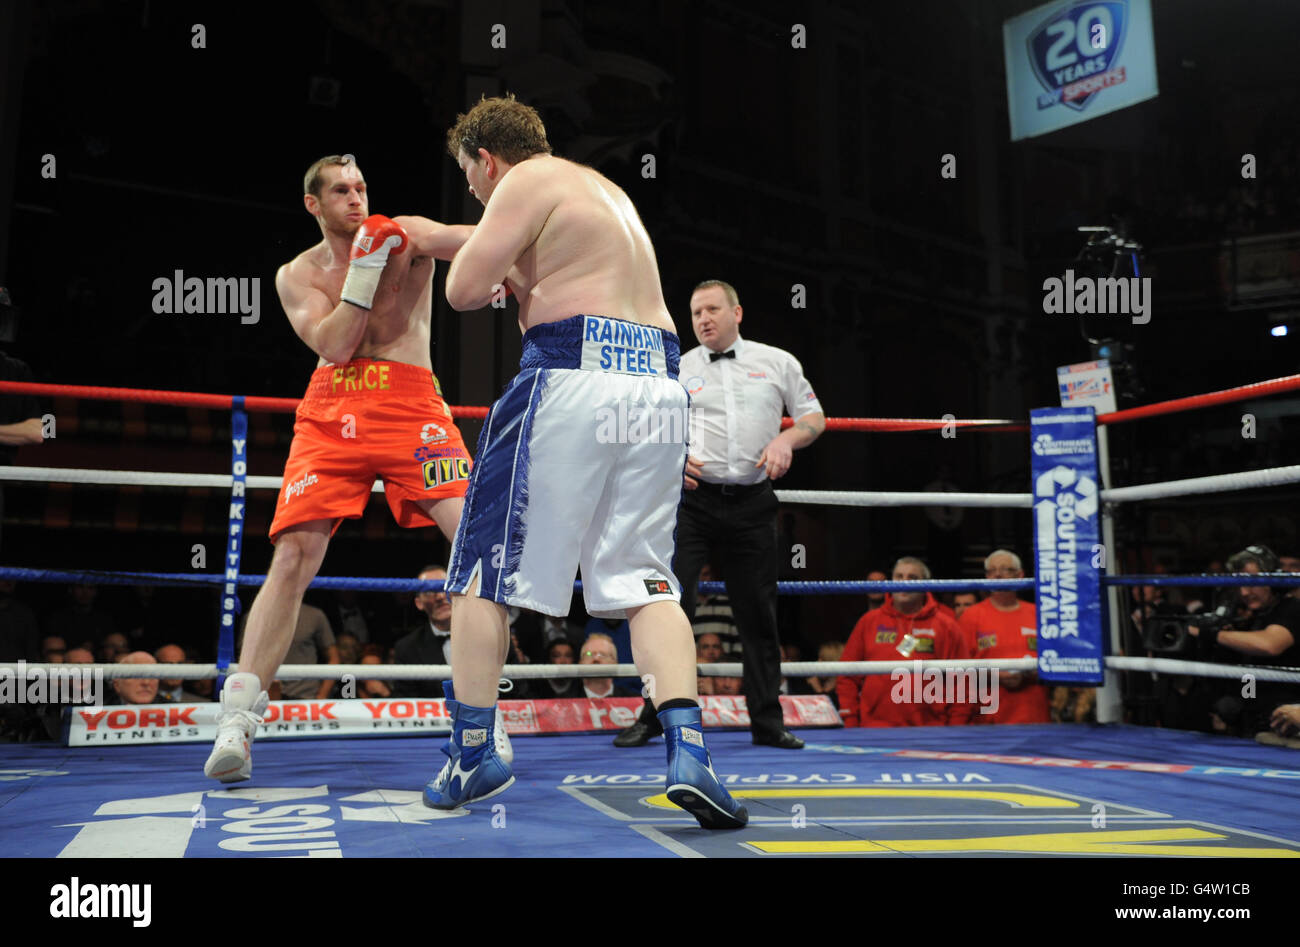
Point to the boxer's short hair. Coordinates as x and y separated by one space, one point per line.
314 179
504 126
732 296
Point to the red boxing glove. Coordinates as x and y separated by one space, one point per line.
499 294
376 238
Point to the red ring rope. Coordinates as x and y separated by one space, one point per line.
287 405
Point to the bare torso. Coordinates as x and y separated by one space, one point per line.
398 327
592 256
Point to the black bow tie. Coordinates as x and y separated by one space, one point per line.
714 356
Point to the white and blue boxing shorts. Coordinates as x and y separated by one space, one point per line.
580 462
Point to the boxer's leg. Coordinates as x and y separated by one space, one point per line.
664 648
299 552
480 637
446 513
475 768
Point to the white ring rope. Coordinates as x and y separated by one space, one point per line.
1201 669
857 498
518 672
141 478
524 672
1219 483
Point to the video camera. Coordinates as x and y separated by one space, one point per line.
1163 634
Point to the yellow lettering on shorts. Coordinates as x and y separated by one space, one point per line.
444 470
351 378
370 382
338 377
383 377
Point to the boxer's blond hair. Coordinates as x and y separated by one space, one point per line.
504 126
314 179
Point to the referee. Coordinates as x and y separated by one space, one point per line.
728 514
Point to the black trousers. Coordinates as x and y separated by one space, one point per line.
734 529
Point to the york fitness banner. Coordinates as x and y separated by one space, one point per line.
1069 62
197 723
1067 545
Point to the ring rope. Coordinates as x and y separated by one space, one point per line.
181 399
1271 386
1275 579
521 672
877 498
1274 386
1218 483
372 584
803 587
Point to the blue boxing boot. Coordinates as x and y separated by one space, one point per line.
474 769
691 780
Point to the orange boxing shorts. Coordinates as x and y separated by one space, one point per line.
363 420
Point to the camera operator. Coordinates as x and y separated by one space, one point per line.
1265 632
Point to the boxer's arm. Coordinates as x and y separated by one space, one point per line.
512 220
432 239
332 332
22 432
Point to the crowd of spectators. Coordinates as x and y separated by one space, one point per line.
141 625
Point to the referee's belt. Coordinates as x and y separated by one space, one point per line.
734 489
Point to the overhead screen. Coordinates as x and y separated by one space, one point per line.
1069 62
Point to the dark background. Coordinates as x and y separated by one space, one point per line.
774 166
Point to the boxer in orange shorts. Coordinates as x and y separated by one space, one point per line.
366 419
361 299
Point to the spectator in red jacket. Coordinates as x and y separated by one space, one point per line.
909 626
1002 626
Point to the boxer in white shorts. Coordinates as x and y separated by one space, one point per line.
581 460
581 463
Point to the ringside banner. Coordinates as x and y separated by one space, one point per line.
388 717
1067 527
1069 62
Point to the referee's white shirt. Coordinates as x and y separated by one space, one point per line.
736 406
